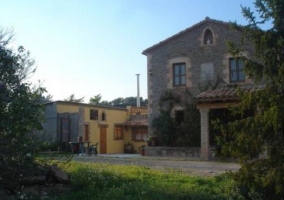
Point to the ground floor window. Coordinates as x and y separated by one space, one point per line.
139 134
179 116
118 132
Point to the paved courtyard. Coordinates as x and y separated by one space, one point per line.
183 165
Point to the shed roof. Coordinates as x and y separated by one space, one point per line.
137 120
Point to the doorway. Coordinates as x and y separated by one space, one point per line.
103 139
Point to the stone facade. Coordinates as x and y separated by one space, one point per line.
204 61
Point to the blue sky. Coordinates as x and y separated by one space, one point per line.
90 47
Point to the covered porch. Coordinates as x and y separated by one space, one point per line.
221 98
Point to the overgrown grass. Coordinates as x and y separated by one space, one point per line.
115 182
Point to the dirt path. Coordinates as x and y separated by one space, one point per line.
200 168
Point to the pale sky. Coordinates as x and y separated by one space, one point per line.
90 47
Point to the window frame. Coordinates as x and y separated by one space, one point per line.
94 114
139 131
180 75
238 71
115 133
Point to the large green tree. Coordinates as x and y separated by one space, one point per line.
20 114
249 135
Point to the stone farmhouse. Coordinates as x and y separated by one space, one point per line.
191 59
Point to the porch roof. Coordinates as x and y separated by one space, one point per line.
222 97
225 93
136 123
136 120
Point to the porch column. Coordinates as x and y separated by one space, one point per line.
204 115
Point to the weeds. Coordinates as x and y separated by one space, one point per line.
108 182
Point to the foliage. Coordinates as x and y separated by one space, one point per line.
20 114
72 98
169 130
264 130
164 128
105 181
118 102
188 132
96 99
50 145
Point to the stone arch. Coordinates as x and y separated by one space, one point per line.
208 36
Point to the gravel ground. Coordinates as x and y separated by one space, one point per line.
183 165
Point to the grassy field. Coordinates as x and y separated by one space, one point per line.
115 182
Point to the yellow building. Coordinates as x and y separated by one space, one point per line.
110 127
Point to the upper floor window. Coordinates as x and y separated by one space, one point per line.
103 116
179 74
208 37
94 114
236 70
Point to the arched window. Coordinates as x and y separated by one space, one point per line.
208 37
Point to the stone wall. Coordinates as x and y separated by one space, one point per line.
189 152
187 47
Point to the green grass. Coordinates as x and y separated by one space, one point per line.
115 182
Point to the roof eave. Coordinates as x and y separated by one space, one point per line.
146 51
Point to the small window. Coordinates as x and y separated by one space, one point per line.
118 132
94 114
103 116
208 37
179 74
236 70
179 116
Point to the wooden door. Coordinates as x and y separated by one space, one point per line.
103 140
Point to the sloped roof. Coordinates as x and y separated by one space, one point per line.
207 19
225 93
137 120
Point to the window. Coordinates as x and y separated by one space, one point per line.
103 116
208 37
179 116
94 114
179 74
118 132
236 70
140 134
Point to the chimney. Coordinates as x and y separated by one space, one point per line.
138 92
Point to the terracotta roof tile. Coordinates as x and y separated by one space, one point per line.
224 93
137 120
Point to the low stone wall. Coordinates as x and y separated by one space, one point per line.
190 152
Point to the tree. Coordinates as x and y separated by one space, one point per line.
96 99
264 129
21 114
72 98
